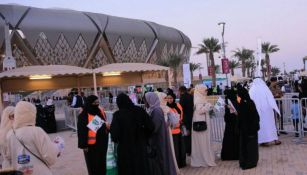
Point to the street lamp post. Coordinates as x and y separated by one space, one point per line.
223 46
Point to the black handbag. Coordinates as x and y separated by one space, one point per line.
199 126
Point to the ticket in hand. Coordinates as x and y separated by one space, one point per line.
59 141
95 124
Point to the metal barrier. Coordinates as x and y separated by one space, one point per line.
304 115
290 119
71 117
217 125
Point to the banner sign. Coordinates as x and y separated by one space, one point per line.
225 66
186 75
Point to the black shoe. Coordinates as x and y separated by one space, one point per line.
297 135
283 132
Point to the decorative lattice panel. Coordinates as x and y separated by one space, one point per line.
118 50
164 53
142 53
62 53
154 58
131 54
42 48
99 60
171 50
21 59
80 51
176 50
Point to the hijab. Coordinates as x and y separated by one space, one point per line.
25 115
90 108
6 124
243 94
123 101
200 94
173 104
153 101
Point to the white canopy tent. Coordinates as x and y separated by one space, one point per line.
63 76
237 78
303 73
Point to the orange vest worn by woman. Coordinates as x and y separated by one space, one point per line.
91 134
177 129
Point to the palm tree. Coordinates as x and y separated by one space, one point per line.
267 49
243 55
275 71
194 67
210 46
263 69
217 69
233 64
173 61
250 66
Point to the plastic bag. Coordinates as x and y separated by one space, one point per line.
111 158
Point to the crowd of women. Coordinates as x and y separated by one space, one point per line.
158 141
152 141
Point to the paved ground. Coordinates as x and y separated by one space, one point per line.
287 159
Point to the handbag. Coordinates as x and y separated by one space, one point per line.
199 126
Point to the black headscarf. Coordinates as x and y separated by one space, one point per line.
123 101
90 108
174 104
243 93
231 95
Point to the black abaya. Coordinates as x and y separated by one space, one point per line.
230 148
249 126
131 128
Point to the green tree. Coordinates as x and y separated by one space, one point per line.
267 49
210 46
217 69
194 67
174 61
243 55
250 66
275 71
233 64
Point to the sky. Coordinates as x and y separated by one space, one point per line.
280 22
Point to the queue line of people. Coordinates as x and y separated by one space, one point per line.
158 140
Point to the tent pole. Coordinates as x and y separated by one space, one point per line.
95 84
169 78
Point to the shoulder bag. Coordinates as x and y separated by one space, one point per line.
30 150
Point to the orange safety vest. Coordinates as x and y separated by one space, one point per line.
91 134
177 129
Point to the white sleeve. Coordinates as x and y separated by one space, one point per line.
74 101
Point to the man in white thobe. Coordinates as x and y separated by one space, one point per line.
265 104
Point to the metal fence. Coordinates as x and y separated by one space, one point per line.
290 120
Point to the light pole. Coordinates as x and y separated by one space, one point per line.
223 47
223 41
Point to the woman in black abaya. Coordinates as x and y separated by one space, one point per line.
131 128
230 148
248 126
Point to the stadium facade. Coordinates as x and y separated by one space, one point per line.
84 39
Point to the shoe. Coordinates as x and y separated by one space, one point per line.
277 142
265 144
283 132
297 135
